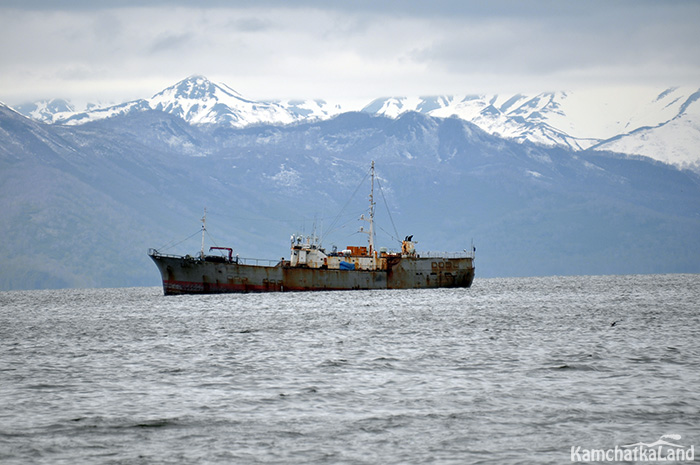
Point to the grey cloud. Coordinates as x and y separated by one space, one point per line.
470 8
629 42
169 42
361 47
249 24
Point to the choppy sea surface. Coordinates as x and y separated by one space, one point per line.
509 371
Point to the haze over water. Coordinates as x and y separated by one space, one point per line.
509 371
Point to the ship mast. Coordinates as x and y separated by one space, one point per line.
371 214
204 229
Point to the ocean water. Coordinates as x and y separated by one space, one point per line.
509 371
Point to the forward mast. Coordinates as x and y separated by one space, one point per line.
370 241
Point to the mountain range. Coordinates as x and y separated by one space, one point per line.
662 124
84 194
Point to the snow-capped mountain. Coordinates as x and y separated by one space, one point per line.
199 101
676 141
660 124
663 125
47 111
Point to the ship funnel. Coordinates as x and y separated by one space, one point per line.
408 246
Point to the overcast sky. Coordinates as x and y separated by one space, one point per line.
91 50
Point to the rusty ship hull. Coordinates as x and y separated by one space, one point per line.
190 275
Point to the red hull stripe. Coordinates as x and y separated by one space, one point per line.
190 287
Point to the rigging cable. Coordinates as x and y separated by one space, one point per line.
335 220
211 238
167 247
388 211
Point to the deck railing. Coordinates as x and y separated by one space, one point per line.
433 254
267 262
240 260
257 261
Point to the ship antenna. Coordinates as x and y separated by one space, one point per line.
371 214
204 229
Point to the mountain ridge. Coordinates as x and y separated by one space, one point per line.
621 120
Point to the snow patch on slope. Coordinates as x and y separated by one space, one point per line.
675 142
661 124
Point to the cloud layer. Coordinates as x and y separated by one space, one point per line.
270 49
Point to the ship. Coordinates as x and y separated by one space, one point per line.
311 267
